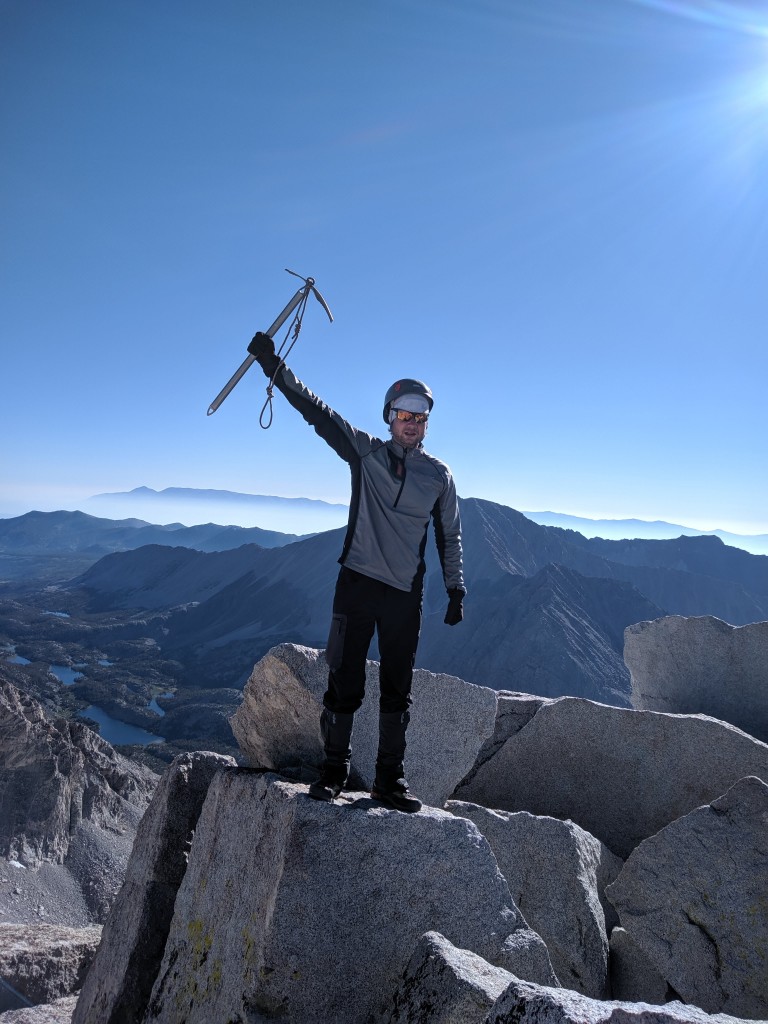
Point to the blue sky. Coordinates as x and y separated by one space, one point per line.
556 213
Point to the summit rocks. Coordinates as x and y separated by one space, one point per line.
622 775
277 725
246 901
134 937
306 911
701 665
565 904
276 906
694 898
446 985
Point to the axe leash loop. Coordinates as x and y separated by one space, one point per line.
294 330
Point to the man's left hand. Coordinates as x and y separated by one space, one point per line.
455 612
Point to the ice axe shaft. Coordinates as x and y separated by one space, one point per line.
302 293
249 359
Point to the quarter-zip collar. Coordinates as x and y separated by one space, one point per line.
401 451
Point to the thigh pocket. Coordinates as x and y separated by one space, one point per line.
335 647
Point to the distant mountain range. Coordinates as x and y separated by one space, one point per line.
621 529
48 547
77 532
307 515
302 516
193 505
546 609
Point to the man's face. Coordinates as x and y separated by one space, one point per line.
408 432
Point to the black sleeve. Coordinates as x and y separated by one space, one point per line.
347 441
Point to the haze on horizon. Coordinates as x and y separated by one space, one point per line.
301 516
555 214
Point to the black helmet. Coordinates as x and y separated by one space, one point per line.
406 386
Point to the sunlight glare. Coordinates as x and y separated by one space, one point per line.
717 13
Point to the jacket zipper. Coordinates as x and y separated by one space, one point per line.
402 482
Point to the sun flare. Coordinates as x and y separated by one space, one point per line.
726 15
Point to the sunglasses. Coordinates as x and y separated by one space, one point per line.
404 416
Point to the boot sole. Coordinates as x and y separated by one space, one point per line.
327 797
392 802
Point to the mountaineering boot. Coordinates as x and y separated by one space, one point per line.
328 786
395 794
389 785
336 730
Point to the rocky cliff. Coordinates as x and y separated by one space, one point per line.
41 963
69 808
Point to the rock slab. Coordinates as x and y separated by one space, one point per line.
557 874
58 1012
446 985
44 962
307 912
694 898
701 665
117 988
526 1003
632 975
621 775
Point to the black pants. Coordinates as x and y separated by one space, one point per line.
360 606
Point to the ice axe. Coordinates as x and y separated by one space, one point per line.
298 300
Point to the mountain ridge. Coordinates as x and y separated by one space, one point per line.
555 597
66 531
211 493
645 529
191 505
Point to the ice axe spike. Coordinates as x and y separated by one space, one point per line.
301 295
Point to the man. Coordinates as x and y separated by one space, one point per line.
396 488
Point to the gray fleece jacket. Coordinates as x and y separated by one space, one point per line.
395 491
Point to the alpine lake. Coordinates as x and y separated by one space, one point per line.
107 670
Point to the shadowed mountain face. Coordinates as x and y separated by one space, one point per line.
553 633
49 547
545 613
685 576
739 572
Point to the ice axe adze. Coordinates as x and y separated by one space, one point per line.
300 300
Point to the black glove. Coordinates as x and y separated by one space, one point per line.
455 612
263 348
